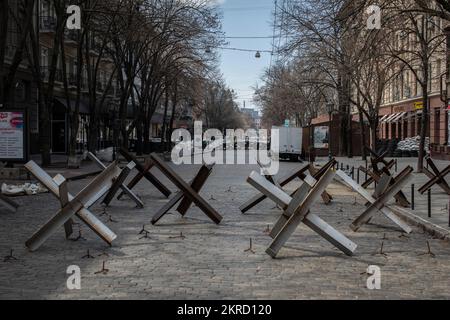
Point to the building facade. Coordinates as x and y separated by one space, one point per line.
25 92
402 109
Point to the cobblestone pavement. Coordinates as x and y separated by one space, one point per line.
439 199
210 262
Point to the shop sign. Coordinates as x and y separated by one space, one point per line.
12 136
418 106
321 137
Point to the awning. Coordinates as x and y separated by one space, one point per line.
388 119
398 117
84 106
384 118
394 118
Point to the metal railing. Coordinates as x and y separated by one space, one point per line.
71 35
10 51
45 74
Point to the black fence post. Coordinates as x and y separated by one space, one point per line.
429 203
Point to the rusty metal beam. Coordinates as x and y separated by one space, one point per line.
400 181
119 183
371 199
282 182
301 213
144 172
122 186
196 184
187 190
436 177
297 210
300 174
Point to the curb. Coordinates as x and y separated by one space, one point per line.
426 226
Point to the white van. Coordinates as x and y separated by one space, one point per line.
291 141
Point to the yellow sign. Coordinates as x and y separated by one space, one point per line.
418 105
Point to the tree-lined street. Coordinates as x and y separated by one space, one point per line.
103 105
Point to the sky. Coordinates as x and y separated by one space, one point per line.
241 70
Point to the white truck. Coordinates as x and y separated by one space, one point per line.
291 141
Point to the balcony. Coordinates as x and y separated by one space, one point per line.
71 37
84 85
100 87
95 47
111 92
47 24
72 80
107 57
45 74
10 51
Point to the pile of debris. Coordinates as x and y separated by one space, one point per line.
413 144
28 189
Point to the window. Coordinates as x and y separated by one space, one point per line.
20 91
46 9
44 57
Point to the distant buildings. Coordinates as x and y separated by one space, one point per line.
402 109
253 118
25 91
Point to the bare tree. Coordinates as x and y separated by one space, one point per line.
16 21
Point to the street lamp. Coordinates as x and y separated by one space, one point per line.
330 108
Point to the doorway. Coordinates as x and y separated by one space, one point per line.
59 133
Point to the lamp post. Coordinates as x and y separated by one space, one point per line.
330 108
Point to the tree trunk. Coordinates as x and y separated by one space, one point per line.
139 137
164 127
424 129
147 136
374 135
172 118
74 121
93 133
363 135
